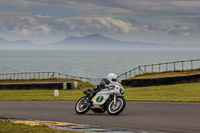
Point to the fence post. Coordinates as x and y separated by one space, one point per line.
174 66
52 75
159 67
166 67
182 66
191 65
145 70
134 71
139 70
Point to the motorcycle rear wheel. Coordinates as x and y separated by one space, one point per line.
82 106
115 109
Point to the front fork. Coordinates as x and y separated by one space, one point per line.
115 97
86 101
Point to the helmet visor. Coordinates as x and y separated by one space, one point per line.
114 80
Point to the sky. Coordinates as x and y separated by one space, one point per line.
154 21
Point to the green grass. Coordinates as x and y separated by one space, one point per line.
9 127
169 93
39 95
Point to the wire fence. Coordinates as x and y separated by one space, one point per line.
161 67
40 75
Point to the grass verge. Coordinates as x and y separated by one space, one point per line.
39 95
169 93
9 127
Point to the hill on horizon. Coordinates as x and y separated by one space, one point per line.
91 42
17 44
100 42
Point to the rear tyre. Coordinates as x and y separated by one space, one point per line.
115 109
82 106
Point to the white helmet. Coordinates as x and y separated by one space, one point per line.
112 77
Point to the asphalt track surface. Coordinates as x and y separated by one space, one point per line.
137 116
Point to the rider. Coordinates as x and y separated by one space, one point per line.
108 82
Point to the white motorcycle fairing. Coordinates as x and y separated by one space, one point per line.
102 96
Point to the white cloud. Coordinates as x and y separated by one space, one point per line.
94 24
40 16
25 26
172 28
35 25
22 31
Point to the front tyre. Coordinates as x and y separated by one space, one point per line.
115 109
82 106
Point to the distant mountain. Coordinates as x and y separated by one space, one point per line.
2 40
92 42
18 44
100 42
89 39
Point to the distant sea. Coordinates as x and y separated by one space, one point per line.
95 64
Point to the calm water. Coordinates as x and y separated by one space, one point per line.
86 63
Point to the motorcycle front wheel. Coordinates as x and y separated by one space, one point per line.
115 109
82 106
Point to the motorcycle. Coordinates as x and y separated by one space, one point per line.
110 99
